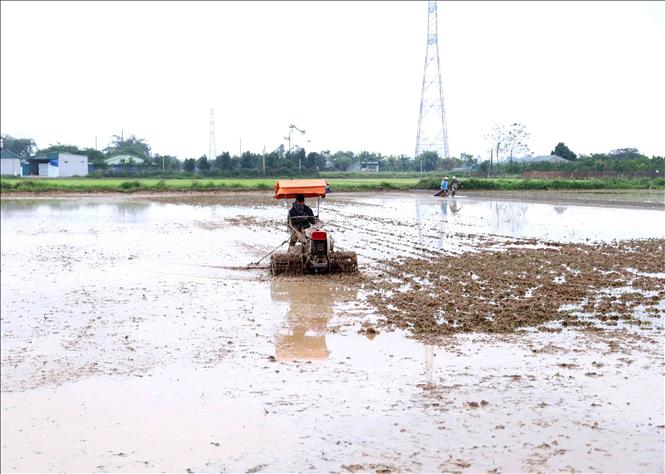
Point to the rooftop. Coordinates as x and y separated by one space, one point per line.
9 155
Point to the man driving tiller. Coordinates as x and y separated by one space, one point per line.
300 217
311 246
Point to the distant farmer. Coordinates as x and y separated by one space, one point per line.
444 187
454 185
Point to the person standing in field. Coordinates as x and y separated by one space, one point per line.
454 185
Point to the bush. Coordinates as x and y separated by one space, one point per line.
130 185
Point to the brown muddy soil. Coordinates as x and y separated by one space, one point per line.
514 288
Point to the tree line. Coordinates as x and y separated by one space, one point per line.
507 142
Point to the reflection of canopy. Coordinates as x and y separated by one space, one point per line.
288 188
311 305
299 347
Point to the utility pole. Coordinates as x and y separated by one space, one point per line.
212 150
264 160
432 132
302 132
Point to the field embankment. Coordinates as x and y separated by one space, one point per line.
121 185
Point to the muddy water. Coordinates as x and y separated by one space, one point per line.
131 342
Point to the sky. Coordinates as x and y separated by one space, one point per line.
590 74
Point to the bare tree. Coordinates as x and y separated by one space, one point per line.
507 139
497 140
516 140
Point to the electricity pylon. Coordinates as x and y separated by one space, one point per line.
432 133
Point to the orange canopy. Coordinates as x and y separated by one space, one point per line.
288 188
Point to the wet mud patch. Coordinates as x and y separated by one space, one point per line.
252 221
595 287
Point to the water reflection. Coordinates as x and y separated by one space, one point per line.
560 209
429 363
311 306
454 207
442 222
93 210
76 209
419 223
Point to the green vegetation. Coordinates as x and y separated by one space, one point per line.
520 184
623 168
96 185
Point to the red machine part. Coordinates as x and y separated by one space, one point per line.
319 235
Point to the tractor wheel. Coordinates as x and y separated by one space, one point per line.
283 263
343 262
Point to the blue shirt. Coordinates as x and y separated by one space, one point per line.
444 185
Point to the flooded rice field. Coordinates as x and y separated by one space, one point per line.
482 334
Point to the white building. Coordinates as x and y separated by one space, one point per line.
10 164
59 165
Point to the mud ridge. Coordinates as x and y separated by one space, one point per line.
499 290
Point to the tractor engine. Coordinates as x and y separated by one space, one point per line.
318 244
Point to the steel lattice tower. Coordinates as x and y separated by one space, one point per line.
212 152
432 133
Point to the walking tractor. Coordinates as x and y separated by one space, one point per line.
311 247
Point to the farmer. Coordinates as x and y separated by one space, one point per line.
454 185
300 217
300 214
444 187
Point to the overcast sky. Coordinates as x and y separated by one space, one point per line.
590 74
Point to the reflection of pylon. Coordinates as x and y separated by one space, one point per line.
212 152
432 134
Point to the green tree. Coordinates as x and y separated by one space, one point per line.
165 162
625 153
468 160
428 160
296 157
128 146
249 161
203 164
222 162
23 147
189 165
563 151
314 161
60 148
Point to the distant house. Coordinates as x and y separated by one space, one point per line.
369 167
128 160
58 165
10 163
542 158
